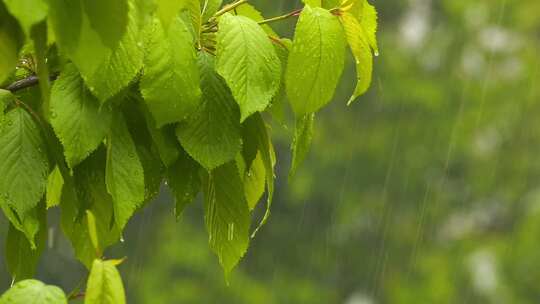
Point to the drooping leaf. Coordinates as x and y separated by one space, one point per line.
109 18
368 21
184 180
28 12
121 65
165 141
248 62
75 36
22 255
316 60
5 98
303 135
28 222
55 182
23 162
255 134
76 116
33 291
255 181
11 40
211 135
170 82
105 71
86 190
124 174
104 284
226 215
359 44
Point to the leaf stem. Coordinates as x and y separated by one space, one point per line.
230 7
282 17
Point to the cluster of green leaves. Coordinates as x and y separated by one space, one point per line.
151 91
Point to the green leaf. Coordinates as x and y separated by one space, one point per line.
184 180
165 141
248 62
168 10
316 60
227 215
314 3
210 7
75 37
5 98
92 231
55 182
76 116
11 40
23 162
28 12
251 12
28 222
279 107
104 284
106 71
255 134
359 44
303 136
121 65
368 21
255 181
124 174
170 83
22 254
33 291
211 135
109 18
86 190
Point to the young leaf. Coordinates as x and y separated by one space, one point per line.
251 12
76 116
109 18
314 3
303 135
359 44
184 181
104 284
28 12
316 60
167 11
211 135
248 62
23 162
55 182
33 291
226 215
368 21
124 174
170 83
11 40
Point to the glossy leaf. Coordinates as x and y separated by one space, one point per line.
124 174
104 284
109 18
226 215
211 135
76 116
33 291
316 60
170 82
55 182
248 62
23 162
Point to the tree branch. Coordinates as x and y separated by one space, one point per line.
27 82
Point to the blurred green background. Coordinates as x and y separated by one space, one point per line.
426 190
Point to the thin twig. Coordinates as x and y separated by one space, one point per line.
283 17
27 82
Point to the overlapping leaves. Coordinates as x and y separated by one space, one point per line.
176 91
